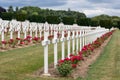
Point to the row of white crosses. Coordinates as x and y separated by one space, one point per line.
33 28
54 41
86 35
98 32
40 29
19 27
12 26
27 26
3 28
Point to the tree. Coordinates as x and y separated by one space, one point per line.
36 18
83 21
23 12
10 9
101 17
30 10
52 16
106 23
94 23
17 9
7 16
35 13
118 24
53 19
115 23
69 9
68 20
21 17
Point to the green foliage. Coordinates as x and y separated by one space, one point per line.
106 23
21 17
30 10
109 20
101 17
53 19
94 23
16 9
83 21
10 9
36 18
64 68
68 20
35 13
23 12
48 12
7 16
115 23
118 24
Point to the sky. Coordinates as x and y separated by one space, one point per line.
89 7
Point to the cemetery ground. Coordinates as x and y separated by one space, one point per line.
19 64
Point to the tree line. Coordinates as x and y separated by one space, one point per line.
36 14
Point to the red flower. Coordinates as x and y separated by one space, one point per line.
65 31
75 58
65 35
28 37
36 38
80 52
25 39
18 38
50 36
58 34
11 40
71 55
22 42
74 65
29 41
84 49
4 42
66 59
60 61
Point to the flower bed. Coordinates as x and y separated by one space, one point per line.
12 43
66 66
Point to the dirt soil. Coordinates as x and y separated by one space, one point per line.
82 68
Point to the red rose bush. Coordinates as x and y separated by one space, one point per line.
66 66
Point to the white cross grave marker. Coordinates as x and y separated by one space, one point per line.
68 39
55 41
62 40
45 43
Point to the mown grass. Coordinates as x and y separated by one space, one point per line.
17 64
107 66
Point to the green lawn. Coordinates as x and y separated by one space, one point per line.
107 66
19 64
